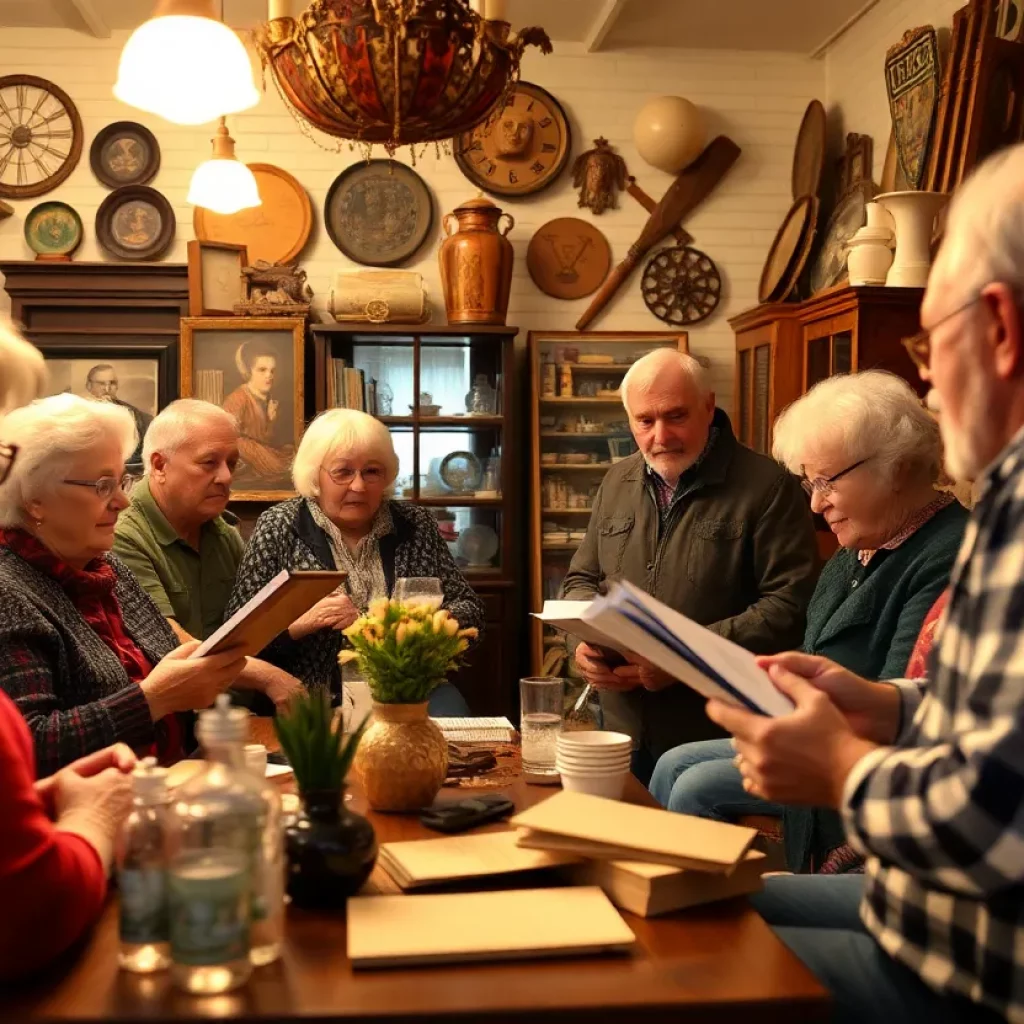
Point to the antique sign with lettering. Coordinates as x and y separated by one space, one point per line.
522 150
912 82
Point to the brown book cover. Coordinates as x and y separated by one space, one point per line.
593 826
394 931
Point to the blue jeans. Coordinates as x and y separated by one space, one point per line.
447 702
817 917
700 779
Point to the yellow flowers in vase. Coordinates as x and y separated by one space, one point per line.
405 651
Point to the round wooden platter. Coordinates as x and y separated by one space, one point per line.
276 231
789 244
803 253
568 258
809 153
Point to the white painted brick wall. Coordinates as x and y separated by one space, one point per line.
757 98
854 67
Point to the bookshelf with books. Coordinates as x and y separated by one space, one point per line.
442 392
579 430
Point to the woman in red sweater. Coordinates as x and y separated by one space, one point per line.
59 834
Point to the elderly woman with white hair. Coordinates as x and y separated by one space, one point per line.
344 520
869 456
84 652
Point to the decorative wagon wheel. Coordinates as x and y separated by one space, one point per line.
40 136
681 285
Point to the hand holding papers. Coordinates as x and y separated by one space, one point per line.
627 619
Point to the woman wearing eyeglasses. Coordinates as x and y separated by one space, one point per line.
84 653
869 457
344 519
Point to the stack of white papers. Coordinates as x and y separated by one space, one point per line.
628 620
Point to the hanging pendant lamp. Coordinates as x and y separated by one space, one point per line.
224 184
186 65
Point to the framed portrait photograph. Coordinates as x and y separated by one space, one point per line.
253 368
139 377
215 279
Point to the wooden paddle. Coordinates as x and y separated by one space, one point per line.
690 188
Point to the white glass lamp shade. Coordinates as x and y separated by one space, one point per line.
224 186
186 68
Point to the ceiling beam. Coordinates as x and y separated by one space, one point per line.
94 21
603 24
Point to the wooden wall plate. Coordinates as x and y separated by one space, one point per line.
125 153
568 258
135 223
803 253
276 231
809 153
788 243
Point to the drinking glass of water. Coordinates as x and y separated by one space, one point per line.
542 703
419 590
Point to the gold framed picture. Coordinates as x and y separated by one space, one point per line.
253 368
215 278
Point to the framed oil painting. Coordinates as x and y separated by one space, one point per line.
139 377
215 278
253 368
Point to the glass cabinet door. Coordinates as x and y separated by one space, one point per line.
762 393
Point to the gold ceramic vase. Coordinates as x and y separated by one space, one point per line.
402 760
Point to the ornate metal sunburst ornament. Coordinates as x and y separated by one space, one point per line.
393 72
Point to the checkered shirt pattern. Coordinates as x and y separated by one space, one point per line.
940 815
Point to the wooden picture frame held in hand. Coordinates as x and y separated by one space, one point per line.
215 278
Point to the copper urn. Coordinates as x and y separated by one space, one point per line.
476 264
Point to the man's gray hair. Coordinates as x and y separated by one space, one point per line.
341 432
984 234
647 369
22 368
873 414
49 433
180 422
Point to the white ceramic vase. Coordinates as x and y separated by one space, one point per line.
914 215
869 251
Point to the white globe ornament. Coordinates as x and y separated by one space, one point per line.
669 133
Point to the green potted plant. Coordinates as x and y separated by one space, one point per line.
331 850
405 652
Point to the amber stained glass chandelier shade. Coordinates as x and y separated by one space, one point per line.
393 72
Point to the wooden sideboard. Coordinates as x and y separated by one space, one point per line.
784 349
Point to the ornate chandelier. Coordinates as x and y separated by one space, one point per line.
394 72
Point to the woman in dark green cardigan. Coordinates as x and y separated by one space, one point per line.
869 456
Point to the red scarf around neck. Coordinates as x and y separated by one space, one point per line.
91 591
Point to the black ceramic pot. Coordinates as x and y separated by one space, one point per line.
331 851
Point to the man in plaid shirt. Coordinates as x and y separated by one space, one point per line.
928 774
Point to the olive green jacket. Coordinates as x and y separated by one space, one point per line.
737 554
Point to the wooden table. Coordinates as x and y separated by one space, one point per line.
719 964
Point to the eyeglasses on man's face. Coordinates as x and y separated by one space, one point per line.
8 453
106 486
372 476
823 485
919 346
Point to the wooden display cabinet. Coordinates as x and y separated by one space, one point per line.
784 349
575 439
463 468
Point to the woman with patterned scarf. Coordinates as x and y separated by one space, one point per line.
344 520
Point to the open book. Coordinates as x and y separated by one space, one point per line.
271 611
626 619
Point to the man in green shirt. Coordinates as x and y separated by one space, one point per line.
177 537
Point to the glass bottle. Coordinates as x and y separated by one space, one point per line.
268 893
482 399
216 838
142 874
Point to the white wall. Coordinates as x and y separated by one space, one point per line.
854 67
756 98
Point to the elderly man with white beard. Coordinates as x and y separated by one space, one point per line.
928 774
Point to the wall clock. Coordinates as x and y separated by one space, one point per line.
521 151
40 136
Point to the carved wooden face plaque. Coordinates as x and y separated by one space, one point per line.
522 150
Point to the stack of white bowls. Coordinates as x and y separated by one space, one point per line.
594 762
